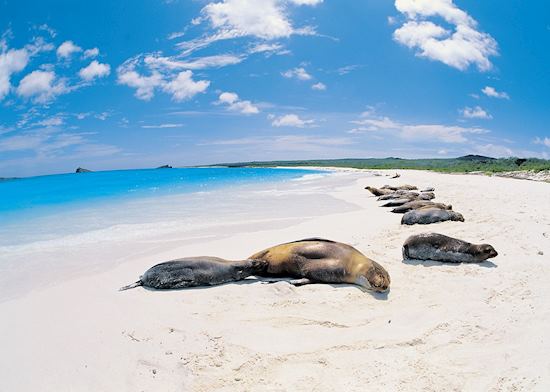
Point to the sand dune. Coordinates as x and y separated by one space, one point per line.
440 328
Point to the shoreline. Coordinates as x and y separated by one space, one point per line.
436 329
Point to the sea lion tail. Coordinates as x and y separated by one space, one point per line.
131 286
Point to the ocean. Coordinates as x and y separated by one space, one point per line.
43 207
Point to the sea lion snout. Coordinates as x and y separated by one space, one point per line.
379 279
488 251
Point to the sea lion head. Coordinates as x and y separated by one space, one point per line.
375 278
484 251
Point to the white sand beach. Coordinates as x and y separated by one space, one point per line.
65 327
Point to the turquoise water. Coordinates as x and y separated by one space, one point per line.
35 196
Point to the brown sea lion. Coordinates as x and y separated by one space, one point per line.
439 247
399 195
405 187
428 215
426 196
378 192
396 203
197 271
419 204
324 261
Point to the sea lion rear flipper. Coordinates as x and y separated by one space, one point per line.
131 286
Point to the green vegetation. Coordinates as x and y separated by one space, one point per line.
468 163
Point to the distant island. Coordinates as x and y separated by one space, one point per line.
82 170
465 164
165 167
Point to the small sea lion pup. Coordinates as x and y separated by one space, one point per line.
197 271
425 216
418 204
439 247
323 261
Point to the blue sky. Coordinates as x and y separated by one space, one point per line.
108 85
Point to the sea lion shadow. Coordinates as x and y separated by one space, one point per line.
379 296
432 263
193 288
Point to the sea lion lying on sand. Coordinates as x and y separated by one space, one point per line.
197 271
399 195
378 192
418 204
396 203
426 196
439 247
428 215
429 189
324 261
405 187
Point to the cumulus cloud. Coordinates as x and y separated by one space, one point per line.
428 132
491 92
183 87
232 101
95 70
266 19
476 112
299 73
319 86
460 48
66 49
290 120
42 86
11 61
91 53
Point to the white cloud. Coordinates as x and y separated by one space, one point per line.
476 112
42 86
460 48
171 63
265 19
95 70
491 92
422 132
175 34
66 49
91 53
162 126
319 86
347 69
235 104
493 150
299 73
180 85
544 142
183 87
11 61
291 120
51 122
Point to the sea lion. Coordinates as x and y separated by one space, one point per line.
428 215
396 203
197 271
426 196
378 192
429 189
405 187
419 204
324 261
439 247
399 195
